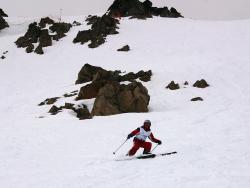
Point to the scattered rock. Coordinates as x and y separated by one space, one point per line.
30 48
197 99
70 95
75 23
49 101
100 29
201 83
39 50
68 106
54 110
3 57
37 33
186 83
140 10
125 48
173 86
83 113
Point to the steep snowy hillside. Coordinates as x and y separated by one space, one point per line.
210 136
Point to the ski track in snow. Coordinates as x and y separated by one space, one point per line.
211 137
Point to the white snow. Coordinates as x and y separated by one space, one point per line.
211 137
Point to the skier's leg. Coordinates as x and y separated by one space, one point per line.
147 147
134 149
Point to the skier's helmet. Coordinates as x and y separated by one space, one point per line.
147 122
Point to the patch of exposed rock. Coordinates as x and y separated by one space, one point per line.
3 23
101 27
140 10
173 86
38 33
201 84
125 48
197 99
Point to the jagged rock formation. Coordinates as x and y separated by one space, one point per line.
101 27
140 10
3 23
37 33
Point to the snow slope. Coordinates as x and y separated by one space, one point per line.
211 137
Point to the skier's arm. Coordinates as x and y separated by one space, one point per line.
153 139
133 133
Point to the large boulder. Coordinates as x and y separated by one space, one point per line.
116 98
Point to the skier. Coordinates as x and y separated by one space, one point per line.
141 134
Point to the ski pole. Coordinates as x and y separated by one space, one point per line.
155 147
120 146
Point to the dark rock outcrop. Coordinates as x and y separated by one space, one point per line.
116 98
197 99
2 13
49 101
37 33
39 50
92 73
3 23
173 86
44 21
125 48
83 113
89 73
45 39
100 29
54 110
140 10
201 83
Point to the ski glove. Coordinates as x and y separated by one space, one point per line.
159 142
129 136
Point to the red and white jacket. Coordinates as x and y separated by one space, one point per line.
141 134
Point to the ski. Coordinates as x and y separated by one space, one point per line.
155 155
148 156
